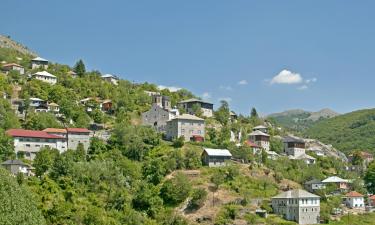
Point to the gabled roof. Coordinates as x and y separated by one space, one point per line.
53 104
217 152
14 162
194 100
39 59
251 144
354 194
304 156
12 64
44 73
298 193
31 134
109 76
55 130
78 130
293 139
313 181
188 117
36 99
258 133
335 179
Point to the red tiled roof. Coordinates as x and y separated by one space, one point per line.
354 194
31 133
55 130
372 197
78 130
251 144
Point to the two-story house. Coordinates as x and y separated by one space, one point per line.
297 205
261 139
110 78
206 107
13 66
45 77
74 136
354 200
189 126
39 62
29 142
295 148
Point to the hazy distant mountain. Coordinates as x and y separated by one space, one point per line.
299 119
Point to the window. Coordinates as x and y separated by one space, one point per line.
37 145
27 145
182 130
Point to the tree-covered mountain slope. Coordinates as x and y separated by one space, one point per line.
299 119
348 132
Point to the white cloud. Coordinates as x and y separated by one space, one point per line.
312 80
227 99
227 88
287 77
303 87
206 95
170 88
242 82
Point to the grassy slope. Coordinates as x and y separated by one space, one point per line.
348 132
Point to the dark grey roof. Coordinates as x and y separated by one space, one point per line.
313 181
293 139
298 193
13 162
195 100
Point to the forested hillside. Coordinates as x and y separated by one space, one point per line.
348 132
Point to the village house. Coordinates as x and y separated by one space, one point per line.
110 78
186 125
294 148
233 116
16 166
45 77
72 74
151 93
261 128
13 66
160 112
38 105
53 107
29 142
215 157
371 201
261 139
74 136
39 62
339 183
256 149
206 107
314 185
297 205
354 200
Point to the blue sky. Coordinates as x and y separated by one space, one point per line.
272 55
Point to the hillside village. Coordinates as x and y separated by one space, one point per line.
92 148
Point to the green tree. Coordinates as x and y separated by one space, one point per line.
80 68
41 121
17 205
222 114
253 113
96 148
6 146
175 190
44 160
370 178
198 198
197 110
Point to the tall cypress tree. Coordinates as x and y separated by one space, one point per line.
80 68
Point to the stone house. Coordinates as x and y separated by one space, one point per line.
261 139
314 185
45 77
16 166
261 128
295 148
186 125
13 66
207 107
74 136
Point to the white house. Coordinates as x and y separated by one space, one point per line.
341 184
297 205
186 125
215 157
45 77
261 139
354 200
38 105
30 142
110 78
39 62
206 107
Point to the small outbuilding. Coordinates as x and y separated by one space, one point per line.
16 166
215 157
